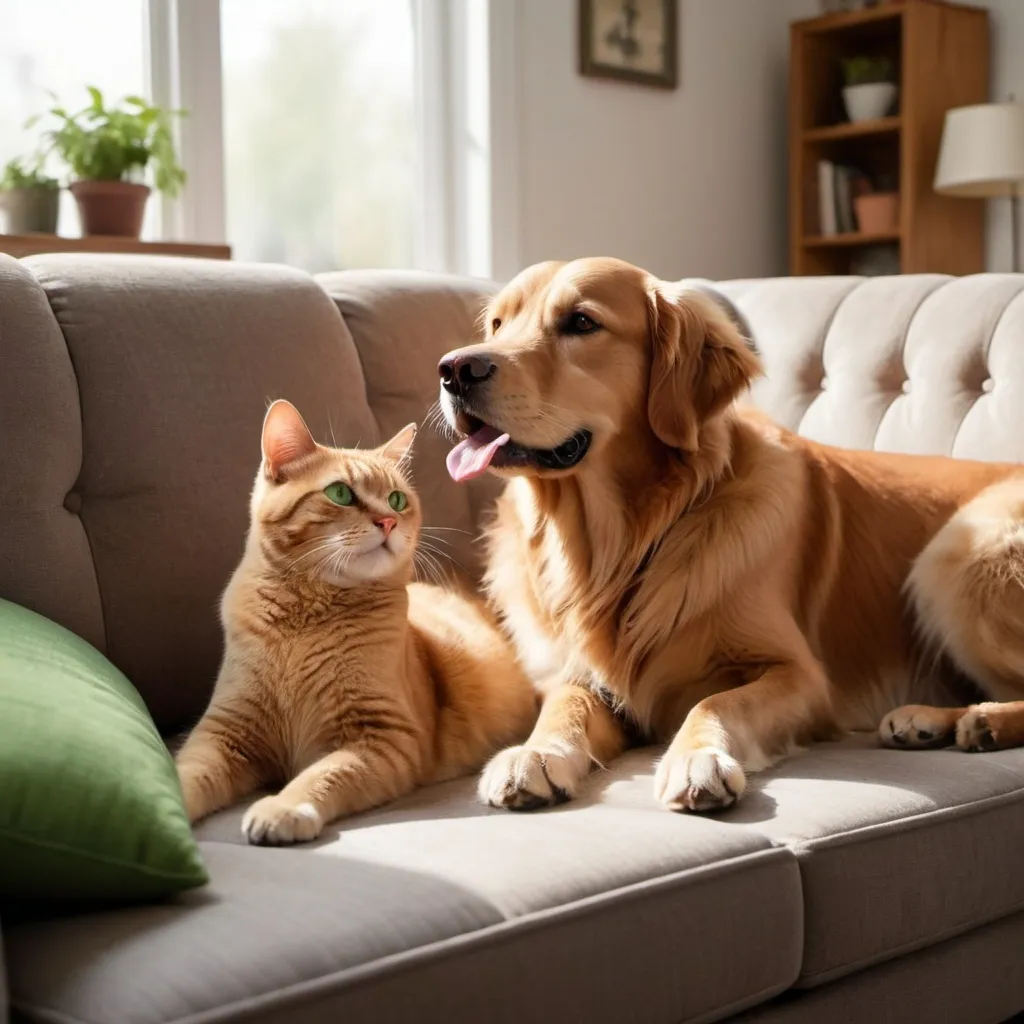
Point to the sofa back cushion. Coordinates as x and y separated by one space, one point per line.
402 323
156 441
919 363
132 391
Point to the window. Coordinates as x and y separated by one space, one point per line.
320 132
61 46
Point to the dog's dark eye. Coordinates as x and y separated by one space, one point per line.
580 323
495 324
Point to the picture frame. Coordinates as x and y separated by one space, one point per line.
630 40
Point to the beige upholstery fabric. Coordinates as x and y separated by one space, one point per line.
897 849
131 394
402 323
440 909
921 363
973 979
45 560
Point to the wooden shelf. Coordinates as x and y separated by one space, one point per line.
851 238
842 20
854 130
939 54
35 245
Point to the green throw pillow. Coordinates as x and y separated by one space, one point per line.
90 806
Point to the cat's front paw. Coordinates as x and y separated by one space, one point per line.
276 822
525 778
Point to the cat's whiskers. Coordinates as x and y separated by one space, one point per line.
438 553
423 560
292 566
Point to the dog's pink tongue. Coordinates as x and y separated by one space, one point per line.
471 457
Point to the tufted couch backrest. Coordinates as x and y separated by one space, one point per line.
132 390
924 363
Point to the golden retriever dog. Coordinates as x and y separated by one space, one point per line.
672 564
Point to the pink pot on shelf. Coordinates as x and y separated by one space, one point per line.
877 213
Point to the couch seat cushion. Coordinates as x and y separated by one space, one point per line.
898 849
584 912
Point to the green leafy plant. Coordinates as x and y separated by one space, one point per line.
109 143
19 173
867 70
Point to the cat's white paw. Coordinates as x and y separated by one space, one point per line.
525 778
698 780
276 822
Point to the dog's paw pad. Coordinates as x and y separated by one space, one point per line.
918 727
274 822
527 778
700 780
975 732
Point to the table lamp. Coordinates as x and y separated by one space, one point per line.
982 157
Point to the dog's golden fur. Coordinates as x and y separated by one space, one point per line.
734 589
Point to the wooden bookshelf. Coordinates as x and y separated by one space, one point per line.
850 239
941 54
849 130
34 245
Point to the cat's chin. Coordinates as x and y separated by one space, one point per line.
378 564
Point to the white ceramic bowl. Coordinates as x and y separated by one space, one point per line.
869 102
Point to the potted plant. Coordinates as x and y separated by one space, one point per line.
108 150
28 199
877 207
870 90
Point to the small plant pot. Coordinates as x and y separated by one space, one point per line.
877 213
110 207
30 211
869 102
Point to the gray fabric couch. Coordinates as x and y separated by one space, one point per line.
853 883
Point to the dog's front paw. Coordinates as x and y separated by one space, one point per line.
976 731
918 727
525 778
276 822
705 779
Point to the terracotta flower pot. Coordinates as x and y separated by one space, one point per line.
110 207
877 212
30 210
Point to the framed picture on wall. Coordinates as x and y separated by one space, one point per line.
632 40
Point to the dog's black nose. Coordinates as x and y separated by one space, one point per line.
460 373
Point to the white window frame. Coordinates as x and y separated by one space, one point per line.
185 73
465 61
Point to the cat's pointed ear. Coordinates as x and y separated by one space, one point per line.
286 438
400 446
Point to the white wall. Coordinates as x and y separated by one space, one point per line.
1007 28
684 183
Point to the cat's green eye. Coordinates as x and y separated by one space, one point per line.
339 493
398 501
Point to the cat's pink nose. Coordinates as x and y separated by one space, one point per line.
387 524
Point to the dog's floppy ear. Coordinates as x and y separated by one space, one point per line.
699 364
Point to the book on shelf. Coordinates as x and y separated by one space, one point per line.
827 223
838 186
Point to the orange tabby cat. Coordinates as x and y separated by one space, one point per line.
342 680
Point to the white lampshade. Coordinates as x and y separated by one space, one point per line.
982 152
